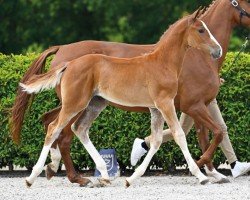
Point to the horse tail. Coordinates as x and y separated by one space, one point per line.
23 99
49 80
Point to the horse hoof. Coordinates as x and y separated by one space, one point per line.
28 184
223 180
86 183
49 173
204 182
104 182
127 184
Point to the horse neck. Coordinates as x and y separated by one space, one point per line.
171 48
219 19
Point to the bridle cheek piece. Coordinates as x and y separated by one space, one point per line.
243 12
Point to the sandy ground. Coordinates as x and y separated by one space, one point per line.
145 188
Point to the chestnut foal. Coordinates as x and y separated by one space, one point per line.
149 81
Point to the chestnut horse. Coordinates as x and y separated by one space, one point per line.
151 80
221 25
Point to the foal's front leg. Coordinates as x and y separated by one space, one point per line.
157 123
166 106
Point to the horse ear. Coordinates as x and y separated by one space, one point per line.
196 14
203 10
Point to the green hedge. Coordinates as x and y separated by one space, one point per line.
117 129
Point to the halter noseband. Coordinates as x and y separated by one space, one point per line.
242 11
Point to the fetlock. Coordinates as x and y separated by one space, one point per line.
77 178
49 172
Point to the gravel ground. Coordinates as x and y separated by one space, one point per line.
153 187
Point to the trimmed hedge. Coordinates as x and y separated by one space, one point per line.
115 128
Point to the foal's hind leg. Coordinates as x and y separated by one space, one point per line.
63 142
81 128
52 167
55 155
157 123
54 130
67 112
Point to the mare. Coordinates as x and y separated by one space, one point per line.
149 81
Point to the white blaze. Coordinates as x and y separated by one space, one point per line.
212 37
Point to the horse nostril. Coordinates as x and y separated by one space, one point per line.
220 52
216 54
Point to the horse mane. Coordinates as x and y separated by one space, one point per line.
210 7
170 28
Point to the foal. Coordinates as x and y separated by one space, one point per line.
148 81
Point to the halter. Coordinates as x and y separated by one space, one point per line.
242 11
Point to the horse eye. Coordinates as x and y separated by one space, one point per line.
201 30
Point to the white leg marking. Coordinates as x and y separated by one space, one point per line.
142 168
180 139
38 168
55 158
100 163
217 175
157 123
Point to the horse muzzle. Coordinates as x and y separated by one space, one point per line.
216 53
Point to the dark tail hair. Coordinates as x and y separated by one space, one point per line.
23 99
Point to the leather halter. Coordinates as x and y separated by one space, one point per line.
242 11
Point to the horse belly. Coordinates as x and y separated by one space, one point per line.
127 97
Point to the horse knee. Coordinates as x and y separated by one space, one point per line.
179 135
78 128
218 135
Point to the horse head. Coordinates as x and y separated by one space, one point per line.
200 37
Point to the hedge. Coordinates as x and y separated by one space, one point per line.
115 128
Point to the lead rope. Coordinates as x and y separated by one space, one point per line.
242 49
